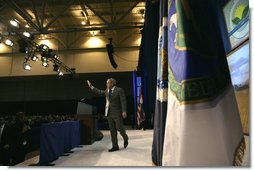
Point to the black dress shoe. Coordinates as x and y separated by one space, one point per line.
125 143
113 149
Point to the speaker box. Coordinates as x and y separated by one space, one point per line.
110 55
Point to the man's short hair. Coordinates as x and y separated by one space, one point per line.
113 81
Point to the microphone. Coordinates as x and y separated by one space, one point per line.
83 99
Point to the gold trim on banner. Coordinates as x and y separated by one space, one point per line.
239 153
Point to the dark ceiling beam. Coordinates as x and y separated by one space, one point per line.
43 12
36 15
51 10
113 13
90 29
98 15
76 39
70 15
127 12
81 49
26 3
129 36
58 15
83 9
22 13
2 6
72 26
57 37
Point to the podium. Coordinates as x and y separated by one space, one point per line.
87 118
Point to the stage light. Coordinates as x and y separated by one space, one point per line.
15 23
83 22
27 26
56 56
43 36
27 66
56 68
45 64
43 47
92 33
27 34
35 58
44 59
8 42
60 73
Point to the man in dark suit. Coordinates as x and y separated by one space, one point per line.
115 110
18 138
5 153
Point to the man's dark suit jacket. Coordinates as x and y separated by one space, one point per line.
116 104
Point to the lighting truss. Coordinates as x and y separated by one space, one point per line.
43 50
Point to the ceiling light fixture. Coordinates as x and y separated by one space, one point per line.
15 23
43 47
45 64
60 73
8 42
56 68
83 22
56 56
35 58
27 66
27 34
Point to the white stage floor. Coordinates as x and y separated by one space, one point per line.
138 152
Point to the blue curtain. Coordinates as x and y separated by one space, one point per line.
147 64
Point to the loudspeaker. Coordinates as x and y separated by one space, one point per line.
110 55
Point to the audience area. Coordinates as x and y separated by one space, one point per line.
20 135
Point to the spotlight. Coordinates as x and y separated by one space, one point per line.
8 42
56 56
27 34
15 23
43 47
56 68
83 22
92 33
43 36
60 73
27 26
45 64
44 59
27 66
34 58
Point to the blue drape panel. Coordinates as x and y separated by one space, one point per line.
56 138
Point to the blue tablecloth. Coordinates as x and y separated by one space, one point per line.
56 138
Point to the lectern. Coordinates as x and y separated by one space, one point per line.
87 117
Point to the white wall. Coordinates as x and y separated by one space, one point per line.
91 61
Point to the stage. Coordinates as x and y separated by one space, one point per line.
138 152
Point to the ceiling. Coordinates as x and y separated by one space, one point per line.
69 20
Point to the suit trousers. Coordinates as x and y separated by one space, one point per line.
116 124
